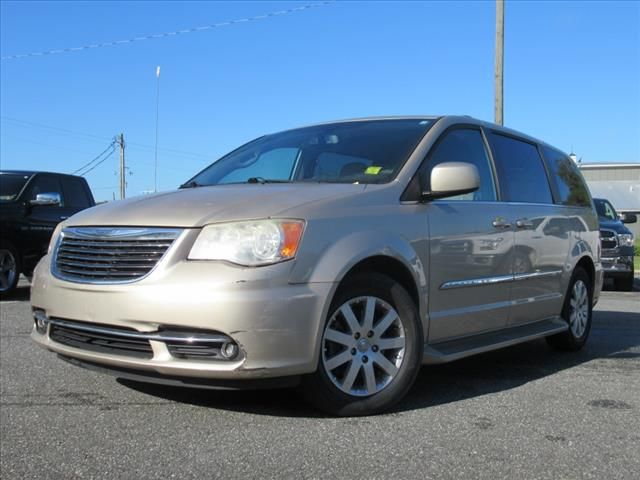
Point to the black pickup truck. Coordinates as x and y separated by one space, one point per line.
31 205
617 244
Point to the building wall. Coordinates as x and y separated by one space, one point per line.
611 174
619 183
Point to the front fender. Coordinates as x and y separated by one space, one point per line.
332 262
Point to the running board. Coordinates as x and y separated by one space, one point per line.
464 347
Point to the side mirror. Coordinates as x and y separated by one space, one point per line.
49 198
628 218
450 179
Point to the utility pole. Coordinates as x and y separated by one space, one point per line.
120 141
155 163
499 65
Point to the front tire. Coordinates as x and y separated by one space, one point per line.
624 284
371 348
577 312
9 268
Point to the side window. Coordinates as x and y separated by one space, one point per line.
75 195
605 209
45 184
276 164
331 165
463 145
569 183
520 170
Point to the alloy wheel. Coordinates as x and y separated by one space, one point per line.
363 346
579 309
8 270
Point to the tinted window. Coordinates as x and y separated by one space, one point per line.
45 184
605 209
75 195
464 145
11 185
520 170
569 183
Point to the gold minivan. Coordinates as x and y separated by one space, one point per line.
337 258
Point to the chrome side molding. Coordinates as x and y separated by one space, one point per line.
478 282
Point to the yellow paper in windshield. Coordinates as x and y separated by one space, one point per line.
372 170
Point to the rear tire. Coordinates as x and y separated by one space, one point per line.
371 348
9 268
577 312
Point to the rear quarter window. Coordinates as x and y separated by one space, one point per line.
570 186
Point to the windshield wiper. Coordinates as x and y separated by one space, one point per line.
262 180
191 184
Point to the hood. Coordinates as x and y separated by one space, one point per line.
195 207
615 225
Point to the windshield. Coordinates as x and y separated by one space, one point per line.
11 186
605 209
370 151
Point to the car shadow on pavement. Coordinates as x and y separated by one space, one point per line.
488 373
19 294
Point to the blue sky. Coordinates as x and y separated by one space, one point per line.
572 77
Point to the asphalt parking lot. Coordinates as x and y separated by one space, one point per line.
524 412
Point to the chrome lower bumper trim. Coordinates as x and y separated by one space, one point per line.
154 336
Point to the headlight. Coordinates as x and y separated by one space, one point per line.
252 243
625 239
54 237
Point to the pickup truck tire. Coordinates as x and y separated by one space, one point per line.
9 268
577 312
371 348
624 284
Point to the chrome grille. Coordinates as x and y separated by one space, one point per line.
608 239
110 255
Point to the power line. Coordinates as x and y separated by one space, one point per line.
100 162
42 144
49 127
165 34
88 164
26 123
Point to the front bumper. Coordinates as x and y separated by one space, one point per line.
276 325
617 266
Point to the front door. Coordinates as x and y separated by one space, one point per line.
41 220
471 246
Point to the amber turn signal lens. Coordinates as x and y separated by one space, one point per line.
292 235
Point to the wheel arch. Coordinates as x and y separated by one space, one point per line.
395 269
390 267
586 263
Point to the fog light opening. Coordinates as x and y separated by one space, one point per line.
41 321
229 350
